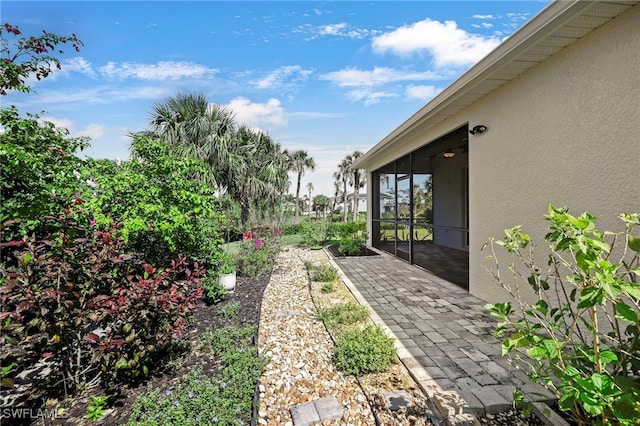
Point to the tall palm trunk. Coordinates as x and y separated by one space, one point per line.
344 199
298 195
356 202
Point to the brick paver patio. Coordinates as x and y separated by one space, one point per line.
444 335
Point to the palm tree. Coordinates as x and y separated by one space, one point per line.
260 171
342 175
321 202
193 127
309 189
246 164
299 161
336 193
357 180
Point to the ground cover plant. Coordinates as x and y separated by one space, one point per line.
200 399
323 273
579 337
342 314
362 351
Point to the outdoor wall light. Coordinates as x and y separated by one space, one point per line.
449 153
479 129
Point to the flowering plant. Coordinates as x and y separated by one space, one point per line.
258 251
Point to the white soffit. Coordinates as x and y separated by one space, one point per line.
554 28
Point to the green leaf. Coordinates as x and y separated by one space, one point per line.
625 312
634 243
537 352
541 306
608 357
567 400
632 289
591 296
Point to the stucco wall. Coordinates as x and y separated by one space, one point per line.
567 132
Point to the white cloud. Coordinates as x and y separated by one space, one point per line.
341 30
278 77
519 16
352 77
79 65
164 70
448 44
254 114
483 25
422 92
334 29
484 17
369 97
92 130
103 94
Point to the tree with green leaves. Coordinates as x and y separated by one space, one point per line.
29 56
39 171
246 164
357 180
310 190
321 203
342 175
299 162
195 128
38 159
259 171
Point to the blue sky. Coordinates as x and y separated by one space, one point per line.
327 77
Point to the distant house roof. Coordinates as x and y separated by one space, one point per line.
554 28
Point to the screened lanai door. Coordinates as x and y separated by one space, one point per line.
420 211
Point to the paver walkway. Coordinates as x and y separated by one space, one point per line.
443 334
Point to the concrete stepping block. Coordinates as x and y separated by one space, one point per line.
397 400
328 408
304 414
316 411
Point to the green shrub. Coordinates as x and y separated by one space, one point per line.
37 175
324 273
351 236
213 290
342 314
568 339
78 300
364 351
258 251
164 208
292 229
327 288
314 234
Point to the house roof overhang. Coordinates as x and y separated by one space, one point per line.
554 28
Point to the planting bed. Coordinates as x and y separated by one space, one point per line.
247 296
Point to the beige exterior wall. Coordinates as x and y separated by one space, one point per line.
566 132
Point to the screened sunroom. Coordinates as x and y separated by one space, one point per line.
420 208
